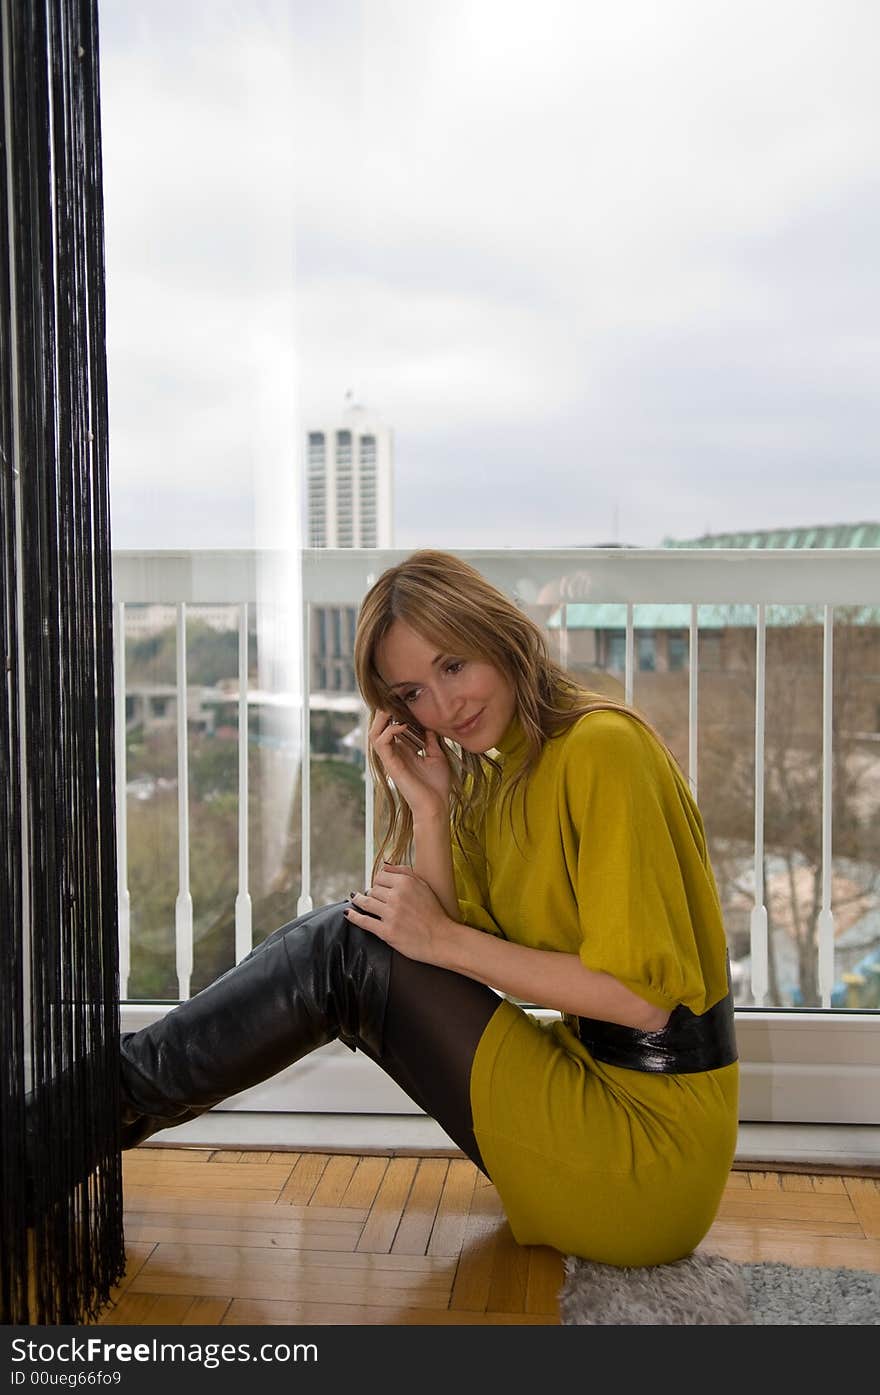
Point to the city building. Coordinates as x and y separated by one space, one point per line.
591 638
141 621
349 503
349 482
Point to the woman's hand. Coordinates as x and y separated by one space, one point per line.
410 918
423 781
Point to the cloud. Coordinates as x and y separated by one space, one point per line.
611 261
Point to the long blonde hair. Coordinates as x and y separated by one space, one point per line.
450 604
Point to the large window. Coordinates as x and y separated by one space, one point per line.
357 300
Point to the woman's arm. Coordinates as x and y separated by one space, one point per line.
404 910
432 860
548 978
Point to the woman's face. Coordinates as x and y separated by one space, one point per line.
469 701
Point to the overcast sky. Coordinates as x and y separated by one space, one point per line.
609 271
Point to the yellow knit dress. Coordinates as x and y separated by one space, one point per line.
620 1166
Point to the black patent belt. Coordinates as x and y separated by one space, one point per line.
685 1045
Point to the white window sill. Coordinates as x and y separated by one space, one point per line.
817 1069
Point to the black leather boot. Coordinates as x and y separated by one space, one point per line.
318 978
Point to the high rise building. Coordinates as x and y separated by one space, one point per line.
349 503
349 483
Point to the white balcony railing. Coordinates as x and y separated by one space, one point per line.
821 580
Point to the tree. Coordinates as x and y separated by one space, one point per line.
793 783
337 851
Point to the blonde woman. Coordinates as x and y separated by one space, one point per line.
540 845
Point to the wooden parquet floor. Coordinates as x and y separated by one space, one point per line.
216 1237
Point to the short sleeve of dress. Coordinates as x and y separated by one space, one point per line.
648 907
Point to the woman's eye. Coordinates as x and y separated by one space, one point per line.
455 667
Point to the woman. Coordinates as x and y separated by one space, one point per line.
558 857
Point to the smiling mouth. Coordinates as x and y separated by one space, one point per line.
463 730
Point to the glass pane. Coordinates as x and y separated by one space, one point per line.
356 302
204 435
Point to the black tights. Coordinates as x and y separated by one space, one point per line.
434 1019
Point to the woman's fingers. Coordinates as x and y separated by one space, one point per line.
366 904
379 722
387 731
384 728
375 893
382 738
364 920
379 725
380 892
400 731
385 874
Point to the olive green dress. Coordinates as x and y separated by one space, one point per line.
620 1166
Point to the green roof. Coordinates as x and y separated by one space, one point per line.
825 535
586 616
612 616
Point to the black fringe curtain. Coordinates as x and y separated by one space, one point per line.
61 1188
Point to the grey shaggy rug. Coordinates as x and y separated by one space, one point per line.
708 1290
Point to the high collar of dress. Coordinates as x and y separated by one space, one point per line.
514 741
